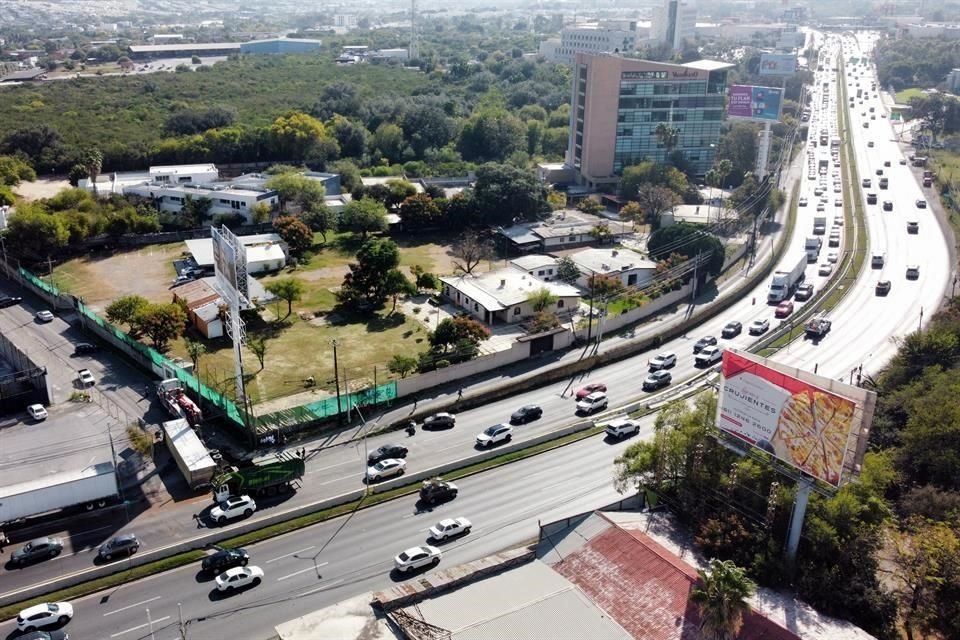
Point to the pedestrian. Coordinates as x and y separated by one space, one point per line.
197 518
754 301
3 541
460 394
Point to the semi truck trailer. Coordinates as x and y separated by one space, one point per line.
192 457
783 283
90 488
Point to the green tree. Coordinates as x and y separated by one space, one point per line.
14 170
648 172
604 286
601 232
738 147
396 284
557 200
589 205
491 134
667 137
260 213
927 559
296 188
289 290
655 200
388 141
295 233
195 210
567 270
469 251
77 173
365 215
452 331
721 597
160 322
689 241
365 286
195 349
92 160
298 136
633 212
321 219
34 233
420 211
351 136
402 365
6 196
542 299
503 192
399 191
124 309
258 347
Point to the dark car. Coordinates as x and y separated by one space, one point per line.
125 544
702 343
225 559
9 301
53 634
440 421
526 414
657 380
35 550
85 347
387 451
731 330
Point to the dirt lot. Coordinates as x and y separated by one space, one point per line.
42 188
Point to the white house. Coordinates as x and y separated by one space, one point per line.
537 265
225 198
633 269
501 297
185 173
265 252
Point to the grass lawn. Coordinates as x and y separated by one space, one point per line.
903 97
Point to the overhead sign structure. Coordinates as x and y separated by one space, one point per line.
760 104
814 424
229 264
778 64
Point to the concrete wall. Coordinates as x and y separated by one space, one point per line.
647 310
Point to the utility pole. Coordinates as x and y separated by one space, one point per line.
336 381
920 324
593 277
696 265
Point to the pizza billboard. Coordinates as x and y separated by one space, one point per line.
817 425
761 104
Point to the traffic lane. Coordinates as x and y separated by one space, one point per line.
321 565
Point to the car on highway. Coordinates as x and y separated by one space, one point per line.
44 316
224 559
759 327
583 392
804 292
921 204
239 578
802 202
664 360
85 377
450 527
233 507
825 269
43 615
620 428
386 451
440 421
526 413
783 309
417 558
883 287
903 161
913 226
36 550
37 412
888 205
731 329
596 401
82 348
886 163
838 202
125 544
52 634
495 435
913 271
708 356
9 301
657 380
703 343
879 172
385 469
832 257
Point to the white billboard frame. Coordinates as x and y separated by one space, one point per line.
230 267
775 63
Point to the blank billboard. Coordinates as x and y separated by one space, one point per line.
778 64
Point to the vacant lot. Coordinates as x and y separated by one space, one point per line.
903 97
298 345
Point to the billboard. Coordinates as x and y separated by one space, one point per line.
778 64
229 265
812 423
755 103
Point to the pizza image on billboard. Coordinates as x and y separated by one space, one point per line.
801 424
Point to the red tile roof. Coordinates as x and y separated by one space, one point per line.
646 588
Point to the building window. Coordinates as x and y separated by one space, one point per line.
476 307
573 239
560 303
516 311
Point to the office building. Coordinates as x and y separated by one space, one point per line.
673 23
603 37
618 104
953 81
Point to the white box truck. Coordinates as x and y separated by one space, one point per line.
819 225
90 488
193 459
784 282
812 246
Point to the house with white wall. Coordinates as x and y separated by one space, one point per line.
630 267
501 296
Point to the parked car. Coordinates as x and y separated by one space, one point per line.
386 451
9 301
417 558
703 343
731 330
44 316
386 469
86 378
124 544
46 614
759 327
622 427
663 361
440 421
36 550
224 559
239 578
583 392
233 507
804 292
450 527
783 309
494 435
82 348
37 412
525 414
596 401
657 380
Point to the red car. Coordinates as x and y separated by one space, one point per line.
784 309
590 388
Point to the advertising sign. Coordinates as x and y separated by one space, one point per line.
804 424
228 252
778 64
755 103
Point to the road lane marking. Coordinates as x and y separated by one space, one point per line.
329 585
296 573
131 606
140 626
287 555
332 466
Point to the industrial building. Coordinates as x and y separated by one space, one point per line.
280 46
674 22
253 47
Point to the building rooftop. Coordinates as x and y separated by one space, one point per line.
196 293
26 74
202 248
301 40
708 65
189 46
534 261
183 169
265 253
504 288
608 260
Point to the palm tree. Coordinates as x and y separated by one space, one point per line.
722 599
542 299
93 162
668 137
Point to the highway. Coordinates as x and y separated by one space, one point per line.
863 325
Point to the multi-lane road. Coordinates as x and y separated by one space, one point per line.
513 497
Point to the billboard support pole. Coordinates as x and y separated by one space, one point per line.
796 521
763 153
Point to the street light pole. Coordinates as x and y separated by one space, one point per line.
336 381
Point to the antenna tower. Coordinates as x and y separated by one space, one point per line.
414 52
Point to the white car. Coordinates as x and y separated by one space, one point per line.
803 202
663 361
44 615
386 468
37 412
758 327
44 316
832 257
494 435
239 577
449 527
708 356
838 202
825 269
233 507
86 378
623 427
417 557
